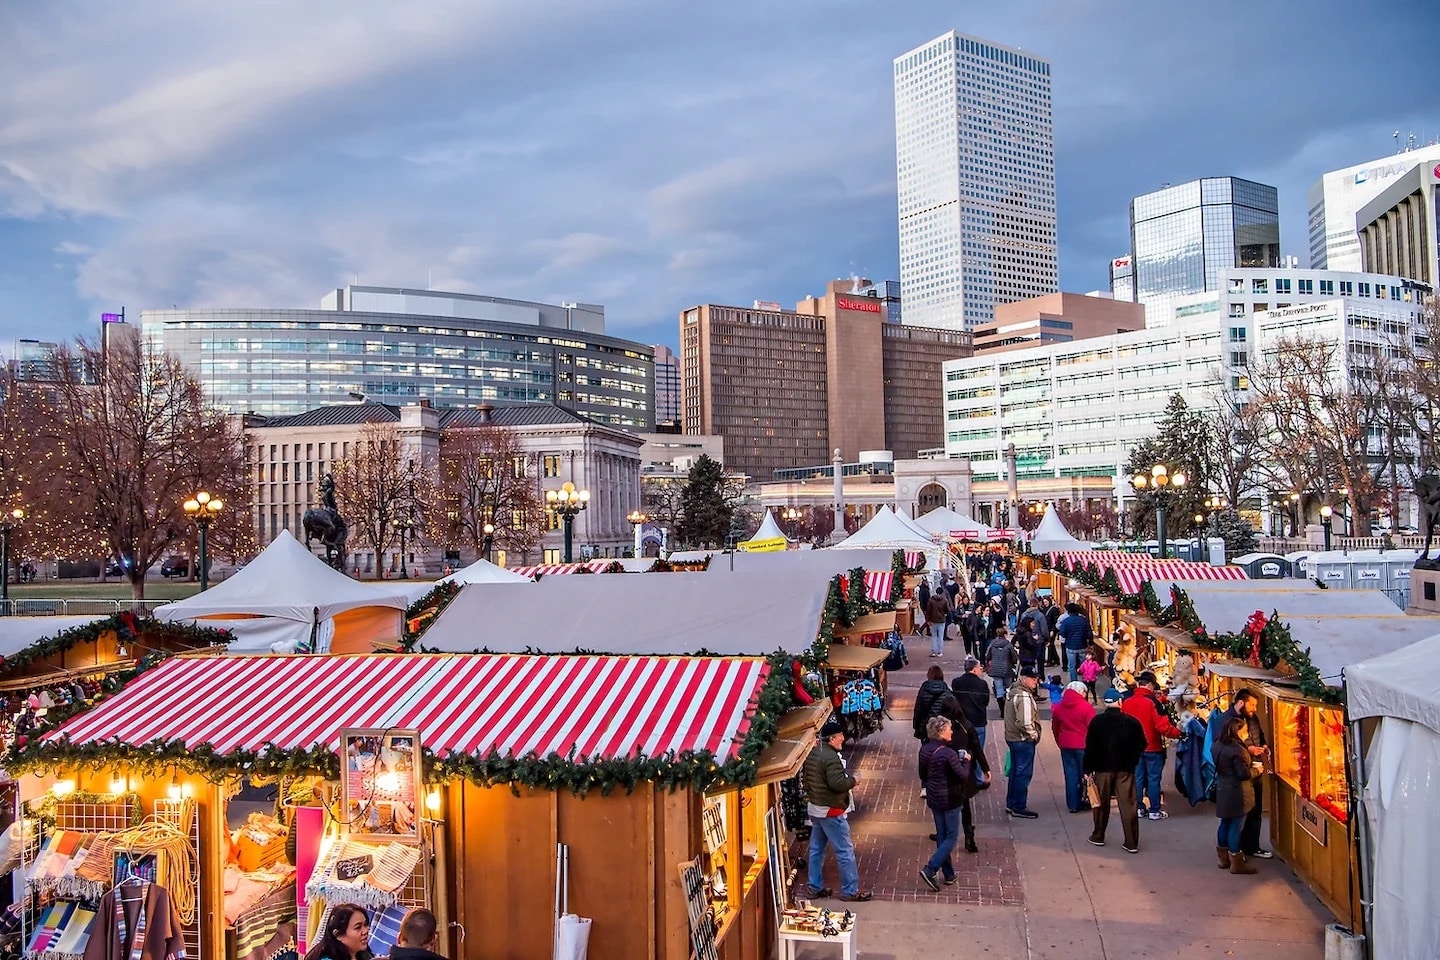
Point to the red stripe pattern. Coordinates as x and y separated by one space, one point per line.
1132 578
561 569
614 707
914 559
878 584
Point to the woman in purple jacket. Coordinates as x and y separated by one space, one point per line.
945 772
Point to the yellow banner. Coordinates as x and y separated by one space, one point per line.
768 545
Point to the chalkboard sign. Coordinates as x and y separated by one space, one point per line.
353 867
702 927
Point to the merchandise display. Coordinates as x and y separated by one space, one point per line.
809 918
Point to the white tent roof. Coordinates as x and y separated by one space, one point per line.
659 613
949 523
286 581
769 530
483 571
819 565
909 521
1051 535
1402 683
1339 627
885 529
17 633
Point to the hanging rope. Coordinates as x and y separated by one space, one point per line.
176 863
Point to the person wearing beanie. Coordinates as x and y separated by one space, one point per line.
827 792
1113 744
973 695
1022 733
1069 721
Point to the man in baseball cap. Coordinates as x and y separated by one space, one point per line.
827 790
1113 744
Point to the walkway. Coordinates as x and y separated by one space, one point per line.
1037 889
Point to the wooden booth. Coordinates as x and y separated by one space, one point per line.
394 780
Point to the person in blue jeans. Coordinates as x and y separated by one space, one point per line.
944 770
1069 724
1144 705
827 792
1022 732
1075 635
1233 766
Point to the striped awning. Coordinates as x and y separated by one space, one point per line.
560 569
914 559
1106 558
1133 577
603 707
878 584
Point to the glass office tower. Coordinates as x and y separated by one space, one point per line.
975 168
1182 238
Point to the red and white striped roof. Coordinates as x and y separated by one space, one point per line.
560 569
603 707
1131 578
1107 558
878 584
914 559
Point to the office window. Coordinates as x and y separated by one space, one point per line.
1347 288
1327 288
1379 291
552 464
1238 334
1282 285
1364 289
1306 287
1260 285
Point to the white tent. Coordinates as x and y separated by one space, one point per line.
301 603
885 529
768 537
909 521
1051 535
952 525
483 571
1399 832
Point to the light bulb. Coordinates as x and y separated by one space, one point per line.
173 791
117 785
432 801
63 788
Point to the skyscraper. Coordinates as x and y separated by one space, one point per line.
975 164
1337 197
1182 238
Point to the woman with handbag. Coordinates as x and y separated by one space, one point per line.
1233 766
946 771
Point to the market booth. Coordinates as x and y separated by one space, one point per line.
1394 706
444 780
287 600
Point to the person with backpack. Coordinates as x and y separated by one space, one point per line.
1000 663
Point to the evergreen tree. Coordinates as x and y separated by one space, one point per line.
1235 530
1180 443
705 505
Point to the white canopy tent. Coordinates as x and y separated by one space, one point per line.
288 600
953 526
669 613
1051 535
481 571
909 521
887 531
768 538
1399 832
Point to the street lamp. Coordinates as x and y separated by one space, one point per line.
404 524
793 515
489 531
1161 482
1326 512
204 508
567 502
11 520
638 519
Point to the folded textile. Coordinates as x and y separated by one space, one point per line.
76 934
394 867
269 927
385 928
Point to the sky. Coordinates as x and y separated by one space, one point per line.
642 154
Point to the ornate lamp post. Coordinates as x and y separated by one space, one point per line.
10 521
793 515
489 541
638 519
404 523
567 502
204 508
1163 484
1326 512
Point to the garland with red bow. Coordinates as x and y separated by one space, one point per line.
1254 627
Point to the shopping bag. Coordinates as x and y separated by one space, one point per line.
1092 791
572 933
1007 762
954 633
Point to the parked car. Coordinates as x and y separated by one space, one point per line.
113 568
175 567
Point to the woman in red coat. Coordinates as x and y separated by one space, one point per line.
1069 722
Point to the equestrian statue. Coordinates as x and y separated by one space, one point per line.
1427 491
325 524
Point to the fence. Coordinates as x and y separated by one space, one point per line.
77 607
1284 545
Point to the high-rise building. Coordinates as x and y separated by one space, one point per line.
888 293
1336 198
975 166
786 387
1398 227
1122 279
1183 238
667 389
1057 318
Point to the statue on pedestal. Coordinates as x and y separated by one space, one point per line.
1427 490
325 524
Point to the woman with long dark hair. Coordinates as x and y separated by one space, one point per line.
346 935
1232 769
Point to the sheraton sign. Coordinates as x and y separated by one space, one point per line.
861 304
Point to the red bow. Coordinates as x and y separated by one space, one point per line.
1253 628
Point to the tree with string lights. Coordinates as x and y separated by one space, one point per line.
382 493
490 490
126 436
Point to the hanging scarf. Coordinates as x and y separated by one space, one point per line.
137 944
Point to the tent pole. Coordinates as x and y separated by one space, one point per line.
1360 831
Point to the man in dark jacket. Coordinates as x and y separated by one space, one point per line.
1244 705
1052 617
418 939
827 792
1113 744
927 700
1075 636
945 770
973 695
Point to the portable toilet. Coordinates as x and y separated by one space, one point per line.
1332 569
1264 566
1369 570
1299 563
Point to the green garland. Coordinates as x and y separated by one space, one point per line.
899 571
427 609
143 631
700 770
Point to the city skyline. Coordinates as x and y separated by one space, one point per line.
250 160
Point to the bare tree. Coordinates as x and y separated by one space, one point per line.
129 437
486 477
1237 445
379 490
660 498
